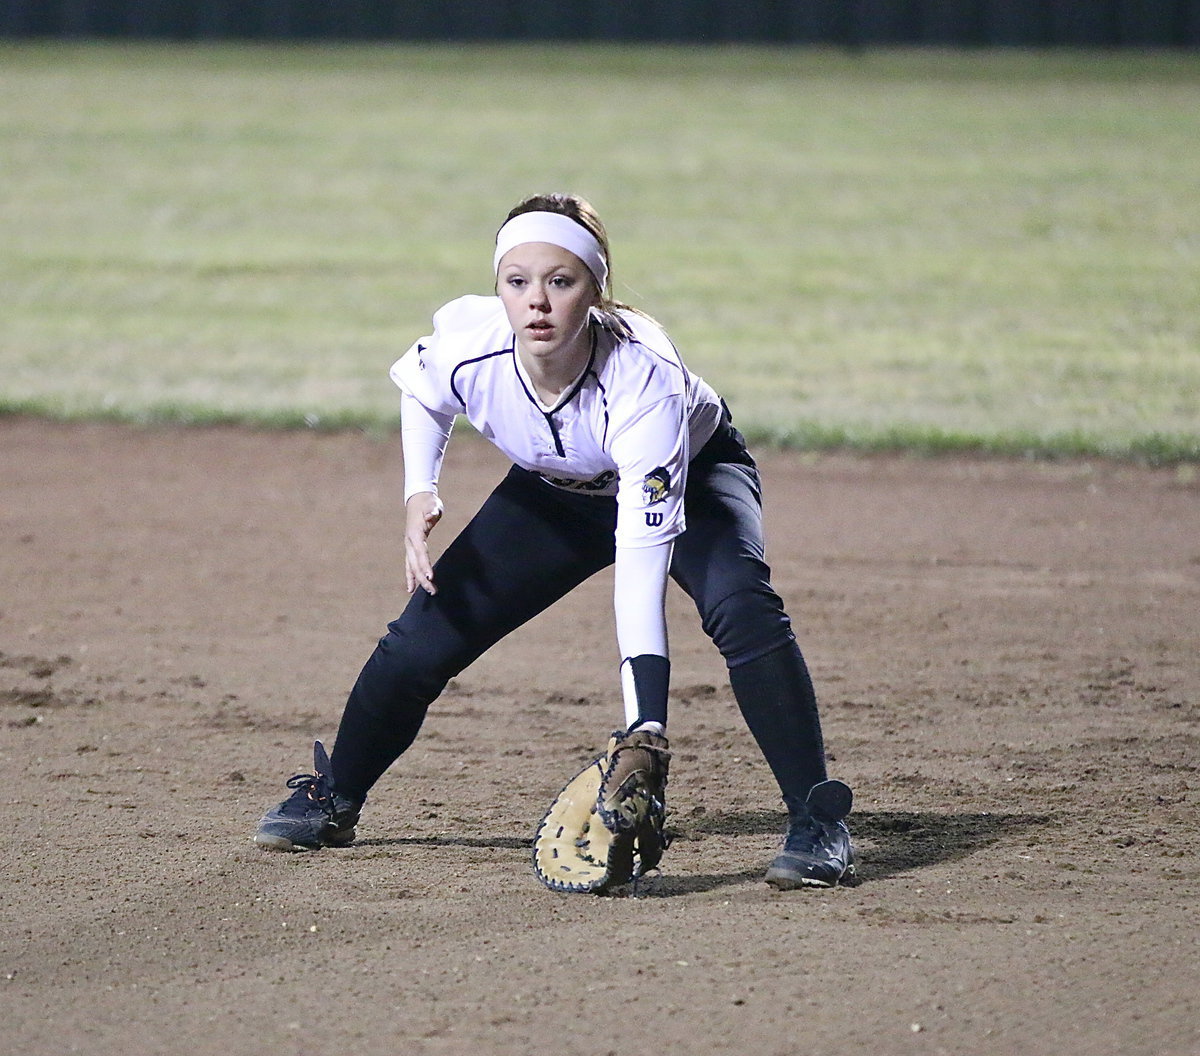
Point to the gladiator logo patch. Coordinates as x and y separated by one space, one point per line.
656 486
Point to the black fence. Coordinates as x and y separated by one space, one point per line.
849 23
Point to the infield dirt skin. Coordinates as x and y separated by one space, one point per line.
1006 655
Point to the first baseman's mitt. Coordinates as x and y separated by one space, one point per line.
606 827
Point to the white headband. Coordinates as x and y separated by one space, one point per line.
558 230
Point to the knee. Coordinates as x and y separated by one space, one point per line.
747 624
398 670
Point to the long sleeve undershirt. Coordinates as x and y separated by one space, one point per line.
639 590
424 435
639 595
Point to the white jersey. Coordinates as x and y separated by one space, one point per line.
627 426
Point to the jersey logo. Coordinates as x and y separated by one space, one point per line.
653 520
656 486
599 482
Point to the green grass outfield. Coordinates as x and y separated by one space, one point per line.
992 251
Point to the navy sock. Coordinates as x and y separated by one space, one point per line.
776 697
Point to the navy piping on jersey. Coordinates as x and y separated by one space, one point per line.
468 362
603 399
551 424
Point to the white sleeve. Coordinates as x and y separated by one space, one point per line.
423 434
422 372
639 597
426 370
651 452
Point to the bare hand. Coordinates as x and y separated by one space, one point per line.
422 511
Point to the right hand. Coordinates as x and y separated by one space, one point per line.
422 511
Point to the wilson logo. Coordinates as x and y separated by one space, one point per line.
654 519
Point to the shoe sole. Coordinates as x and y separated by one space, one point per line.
787 881
281 843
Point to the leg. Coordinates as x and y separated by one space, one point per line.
719 561
720 564
527 547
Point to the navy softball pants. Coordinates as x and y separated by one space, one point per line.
529 545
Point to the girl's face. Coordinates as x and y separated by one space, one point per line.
547 292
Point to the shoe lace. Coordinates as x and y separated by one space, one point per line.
315 788
804 833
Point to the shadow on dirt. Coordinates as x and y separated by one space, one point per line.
508 843
671 886
900 841
888 842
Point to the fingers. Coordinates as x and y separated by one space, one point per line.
418 569
422 513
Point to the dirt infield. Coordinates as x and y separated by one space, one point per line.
1008 658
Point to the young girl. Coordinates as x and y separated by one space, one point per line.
621 456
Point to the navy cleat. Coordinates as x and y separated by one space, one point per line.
312 816
817 851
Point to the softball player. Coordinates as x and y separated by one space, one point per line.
621 456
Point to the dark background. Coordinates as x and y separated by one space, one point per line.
850 23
